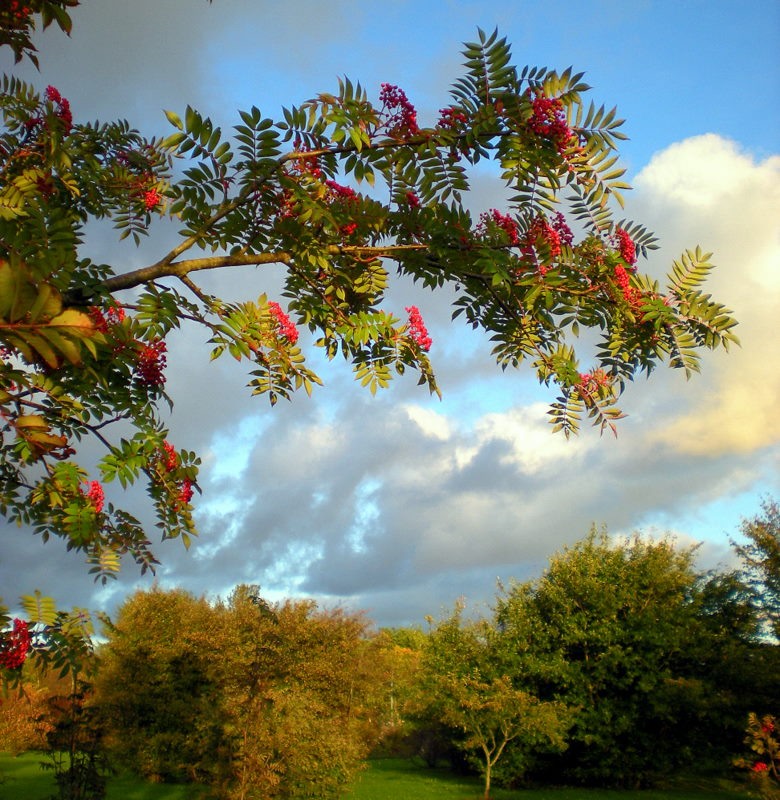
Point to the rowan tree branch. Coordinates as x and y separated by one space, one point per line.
180 269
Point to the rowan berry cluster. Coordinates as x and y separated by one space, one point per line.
95 496
342 194
417 330
305 165
151 363
168 460
185 491
502 221
63 111
15 645
630 293
284 324
451 118
400 115
593 381
626 246
151 199
16 15
547 236
171 458
548 121
105 321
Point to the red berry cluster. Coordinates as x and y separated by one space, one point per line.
338 192
502 221
15 645
16 15
285 326
63 108
151 364
342 194
95 495
105 321
413 200
561 227
548 120
171 458
169 461
549 236
185 491
305 165
151 199
630 293
400 114
417 329
451 118
626 246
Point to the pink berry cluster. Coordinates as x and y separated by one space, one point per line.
345 195
417 329
284 324
400 114
151 363
548 121
15 645
593 381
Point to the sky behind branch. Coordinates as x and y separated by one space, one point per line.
399 504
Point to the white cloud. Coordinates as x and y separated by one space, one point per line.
706 190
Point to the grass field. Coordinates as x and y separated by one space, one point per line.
396 779
384 779
25 780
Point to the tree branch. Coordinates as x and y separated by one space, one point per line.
180 269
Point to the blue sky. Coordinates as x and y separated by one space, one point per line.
399 504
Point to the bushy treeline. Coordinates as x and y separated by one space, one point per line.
621 664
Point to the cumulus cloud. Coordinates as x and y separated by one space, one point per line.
706 190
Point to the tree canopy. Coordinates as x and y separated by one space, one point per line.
346 191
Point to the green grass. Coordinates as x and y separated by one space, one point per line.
384 779
398 779
23 779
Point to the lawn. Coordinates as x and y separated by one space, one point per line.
384 779
25 780
396 779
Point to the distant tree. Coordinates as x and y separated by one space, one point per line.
251 698
332 191
644 648
468 692
158 686
301 691
760 556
